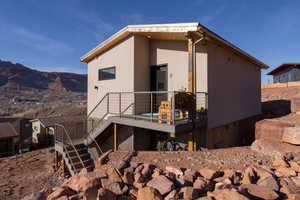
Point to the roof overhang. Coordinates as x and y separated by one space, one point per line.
176 31
283 66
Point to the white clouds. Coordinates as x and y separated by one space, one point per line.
98 27
40 42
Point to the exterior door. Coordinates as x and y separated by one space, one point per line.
159 82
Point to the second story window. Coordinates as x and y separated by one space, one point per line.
107 73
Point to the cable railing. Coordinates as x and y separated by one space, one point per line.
156 106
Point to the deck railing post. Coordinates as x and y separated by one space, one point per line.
107 103
173 107
151 105
120 104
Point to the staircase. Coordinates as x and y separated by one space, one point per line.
77 157
73 150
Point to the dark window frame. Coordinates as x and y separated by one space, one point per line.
101 76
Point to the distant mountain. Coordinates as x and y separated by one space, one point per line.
17 76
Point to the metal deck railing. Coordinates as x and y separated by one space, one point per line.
169 107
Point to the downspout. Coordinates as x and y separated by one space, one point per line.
202 37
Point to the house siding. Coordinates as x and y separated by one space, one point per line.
122 57
173 53
233 87
290 74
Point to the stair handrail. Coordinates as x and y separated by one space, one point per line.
97 145
71 144
89 114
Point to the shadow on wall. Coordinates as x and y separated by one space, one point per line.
275 108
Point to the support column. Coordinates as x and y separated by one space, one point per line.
191 83
115 137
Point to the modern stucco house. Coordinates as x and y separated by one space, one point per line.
286 72
148 83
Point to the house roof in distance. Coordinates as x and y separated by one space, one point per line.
283 66
7 130
176 31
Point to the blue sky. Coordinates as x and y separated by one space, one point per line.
53 35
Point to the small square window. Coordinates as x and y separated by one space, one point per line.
107 73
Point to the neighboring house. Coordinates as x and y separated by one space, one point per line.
286 72
9 139
43 129
171 81
23 128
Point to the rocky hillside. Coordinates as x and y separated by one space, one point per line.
17 76
130 178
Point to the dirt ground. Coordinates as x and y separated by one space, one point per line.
237 158
31 172
269 94
25 174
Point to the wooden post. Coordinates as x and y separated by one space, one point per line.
190 142
190 66
115 137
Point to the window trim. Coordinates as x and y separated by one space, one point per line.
107 68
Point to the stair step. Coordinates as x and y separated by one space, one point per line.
79 151
82 156
77 146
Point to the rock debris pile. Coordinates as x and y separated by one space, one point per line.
124 179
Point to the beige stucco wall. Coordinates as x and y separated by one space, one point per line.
233 87
173 53
122 57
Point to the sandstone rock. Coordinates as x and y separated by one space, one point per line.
190 172
200 183
259 191
273 148
172 195
226 195
117 189
148 193
90 193
104 194
270 129
285 172
146 171
280 162
139 169
113 175
138 178
139 185
263 172
205 198
104 157
174 170
128 177
294 166
219 186
291 135
62 198
296 181
59 192
189 193
249 176
156 172
295 105
134 164
119 164
269 182
209 173
289 188
188 179
35 196
162 184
